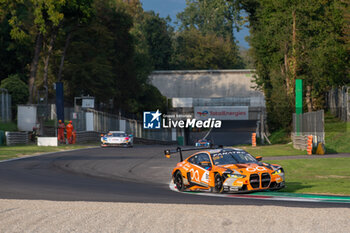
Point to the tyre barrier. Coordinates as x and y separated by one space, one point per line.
309 145
253 139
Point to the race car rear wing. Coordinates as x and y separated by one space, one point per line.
180 150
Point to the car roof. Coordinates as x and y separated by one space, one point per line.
116 132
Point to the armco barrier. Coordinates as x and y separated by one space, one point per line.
13 138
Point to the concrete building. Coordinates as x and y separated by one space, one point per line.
195 91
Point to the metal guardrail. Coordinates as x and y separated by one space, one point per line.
13 138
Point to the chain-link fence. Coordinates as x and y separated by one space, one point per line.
5 106
338 102
310 123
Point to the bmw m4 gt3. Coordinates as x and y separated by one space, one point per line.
225 170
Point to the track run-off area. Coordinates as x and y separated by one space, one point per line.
140 174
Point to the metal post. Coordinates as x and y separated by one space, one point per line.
2 106
298 104
262 127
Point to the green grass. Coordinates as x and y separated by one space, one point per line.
318 176
9 152
8 126
280 137
337 135
273 150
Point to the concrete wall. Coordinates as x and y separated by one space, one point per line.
205 83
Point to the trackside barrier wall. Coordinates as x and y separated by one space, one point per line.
104 122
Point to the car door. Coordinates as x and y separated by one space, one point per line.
199 170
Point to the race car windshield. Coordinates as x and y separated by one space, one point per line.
119 135
233 157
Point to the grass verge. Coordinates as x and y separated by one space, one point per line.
273 150
10 152
337 135
317 176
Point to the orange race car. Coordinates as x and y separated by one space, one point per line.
225 170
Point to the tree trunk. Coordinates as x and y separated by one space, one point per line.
46 65
59 78
294 55
34 66
308 98
285 71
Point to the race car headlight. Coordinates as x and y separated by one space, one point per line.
237 176
279 171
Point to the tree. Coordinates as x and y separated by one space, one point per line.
211 16
196 51
40 21
206 39
17 89
296 39
157 35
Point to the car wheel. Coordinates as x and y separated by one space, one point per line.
219 186
179 182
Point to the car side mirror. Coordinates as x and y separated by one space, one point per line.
259 158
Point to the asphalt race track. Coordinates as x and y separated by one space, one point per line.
140 174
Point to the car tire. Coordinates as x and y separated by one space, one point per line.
219 184
178 180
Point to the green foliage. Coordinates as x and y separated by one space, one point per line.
193 50
16 88
211 16
206 39
314 51
279 137
14 55
157 34
8 126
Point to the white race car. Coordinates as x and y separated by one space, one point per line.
116 138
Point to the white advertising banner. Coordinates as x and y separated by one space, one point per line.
222 112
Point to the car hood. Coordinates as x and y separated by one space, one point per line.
249 167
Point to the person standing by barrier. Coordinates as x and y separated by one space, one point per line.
60 132
69 130
74 136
